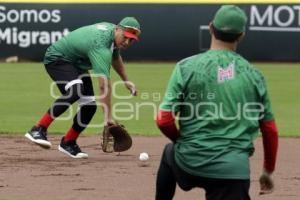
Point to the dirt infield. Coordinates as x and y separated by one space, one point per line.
29 172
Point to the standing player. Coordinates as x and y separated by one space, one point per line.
67 61
222 101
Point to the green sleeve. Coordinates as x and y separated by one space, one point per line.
101 61
267 113
174 92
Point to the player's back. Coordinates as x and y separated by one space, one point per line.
219 117
219 81
79 42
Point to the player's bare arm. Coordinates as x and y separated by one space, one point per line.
118 66
105 100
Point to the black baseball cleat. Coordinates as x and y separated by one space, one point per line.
38 135
71 149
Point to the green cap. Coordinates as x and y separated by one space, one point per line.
230 19
130 23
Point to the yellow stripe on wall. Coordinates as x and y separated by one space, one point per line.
158 1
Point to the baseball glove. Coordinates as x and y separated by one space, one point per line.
116 138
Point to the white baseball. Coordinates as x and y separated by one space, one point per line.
144 156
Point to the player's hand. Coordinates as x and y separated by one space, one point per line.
109 123
131 87
266 183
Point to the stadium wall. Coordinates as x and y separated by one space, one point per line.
170 31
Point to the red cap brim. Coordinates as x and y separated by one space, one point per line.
131 35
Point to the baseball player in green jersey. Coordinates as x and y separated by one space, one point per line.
221 101
95 47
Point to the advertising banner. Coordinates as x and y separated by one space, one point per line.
170 31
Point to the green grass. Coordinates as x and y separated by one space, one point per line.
283 83
25 96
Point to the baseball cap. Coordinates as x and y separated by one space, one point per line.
230 19
131 26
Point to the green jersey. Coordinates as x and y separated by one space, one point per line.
220 99
89 47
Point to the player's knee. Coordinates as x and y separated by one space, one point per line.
73 92
88 105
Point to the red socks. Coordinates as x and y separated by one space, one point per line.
71 135
45 121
